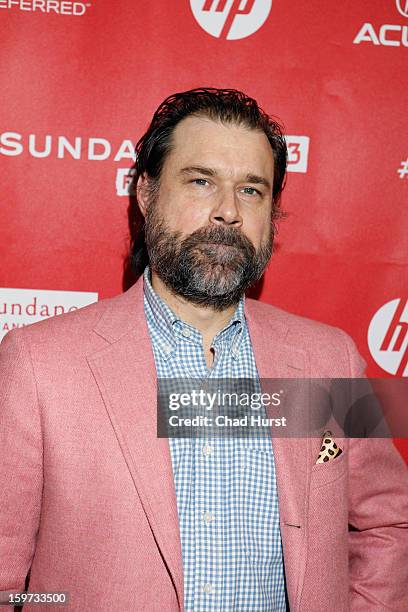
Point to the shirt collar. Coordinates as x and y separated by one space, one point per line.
159 307
170 327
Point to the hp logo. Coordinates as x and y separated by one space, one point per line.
231 19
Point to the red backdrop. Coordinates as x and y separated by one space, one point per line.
80 82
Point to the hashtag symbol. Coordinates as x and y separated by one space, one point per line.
403 171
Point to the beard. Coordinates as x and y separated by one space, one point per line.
212 267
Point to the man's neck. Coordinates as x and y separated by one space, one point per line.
204 318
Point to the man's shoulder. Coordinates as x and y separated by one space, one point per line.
322 342
83 318
292 327
74 331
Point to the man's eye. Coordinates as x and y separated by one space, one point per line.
200 181
251 191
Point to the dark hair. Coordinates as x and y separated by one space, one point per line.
226 105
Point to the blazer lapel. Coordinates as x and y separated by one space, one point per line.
275 359
126 376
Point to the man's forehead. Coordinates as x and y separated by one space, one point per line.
203 126
202 141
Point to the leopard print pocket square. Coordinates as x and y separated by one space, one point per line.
329 449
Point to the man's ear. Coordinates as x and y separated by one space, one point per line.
142 193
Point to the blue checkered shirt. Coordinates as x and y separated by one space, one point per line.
225 487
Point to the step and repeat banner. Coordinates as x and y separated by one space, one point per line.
79 82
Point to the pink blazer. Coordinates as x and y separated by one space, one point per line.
87 495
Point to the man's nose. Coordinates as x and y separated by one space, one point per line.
226 210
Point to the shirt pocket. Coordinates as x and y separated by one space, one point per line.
258 518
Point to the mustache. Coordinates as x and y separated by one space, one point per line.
219 235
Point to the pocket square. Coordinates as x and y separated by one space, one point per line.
329 449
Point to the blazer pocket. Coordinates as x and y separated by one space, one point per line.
325 473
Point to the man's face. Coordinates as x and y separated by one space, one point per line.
208 230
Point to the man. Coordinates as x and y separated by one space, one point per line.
94 503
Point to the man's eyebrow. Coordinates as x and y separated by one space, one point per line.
258 180
250 178
199 170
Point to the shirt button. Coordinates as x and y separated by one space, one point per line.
167 349
207 450
186 332
208 588
207 517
